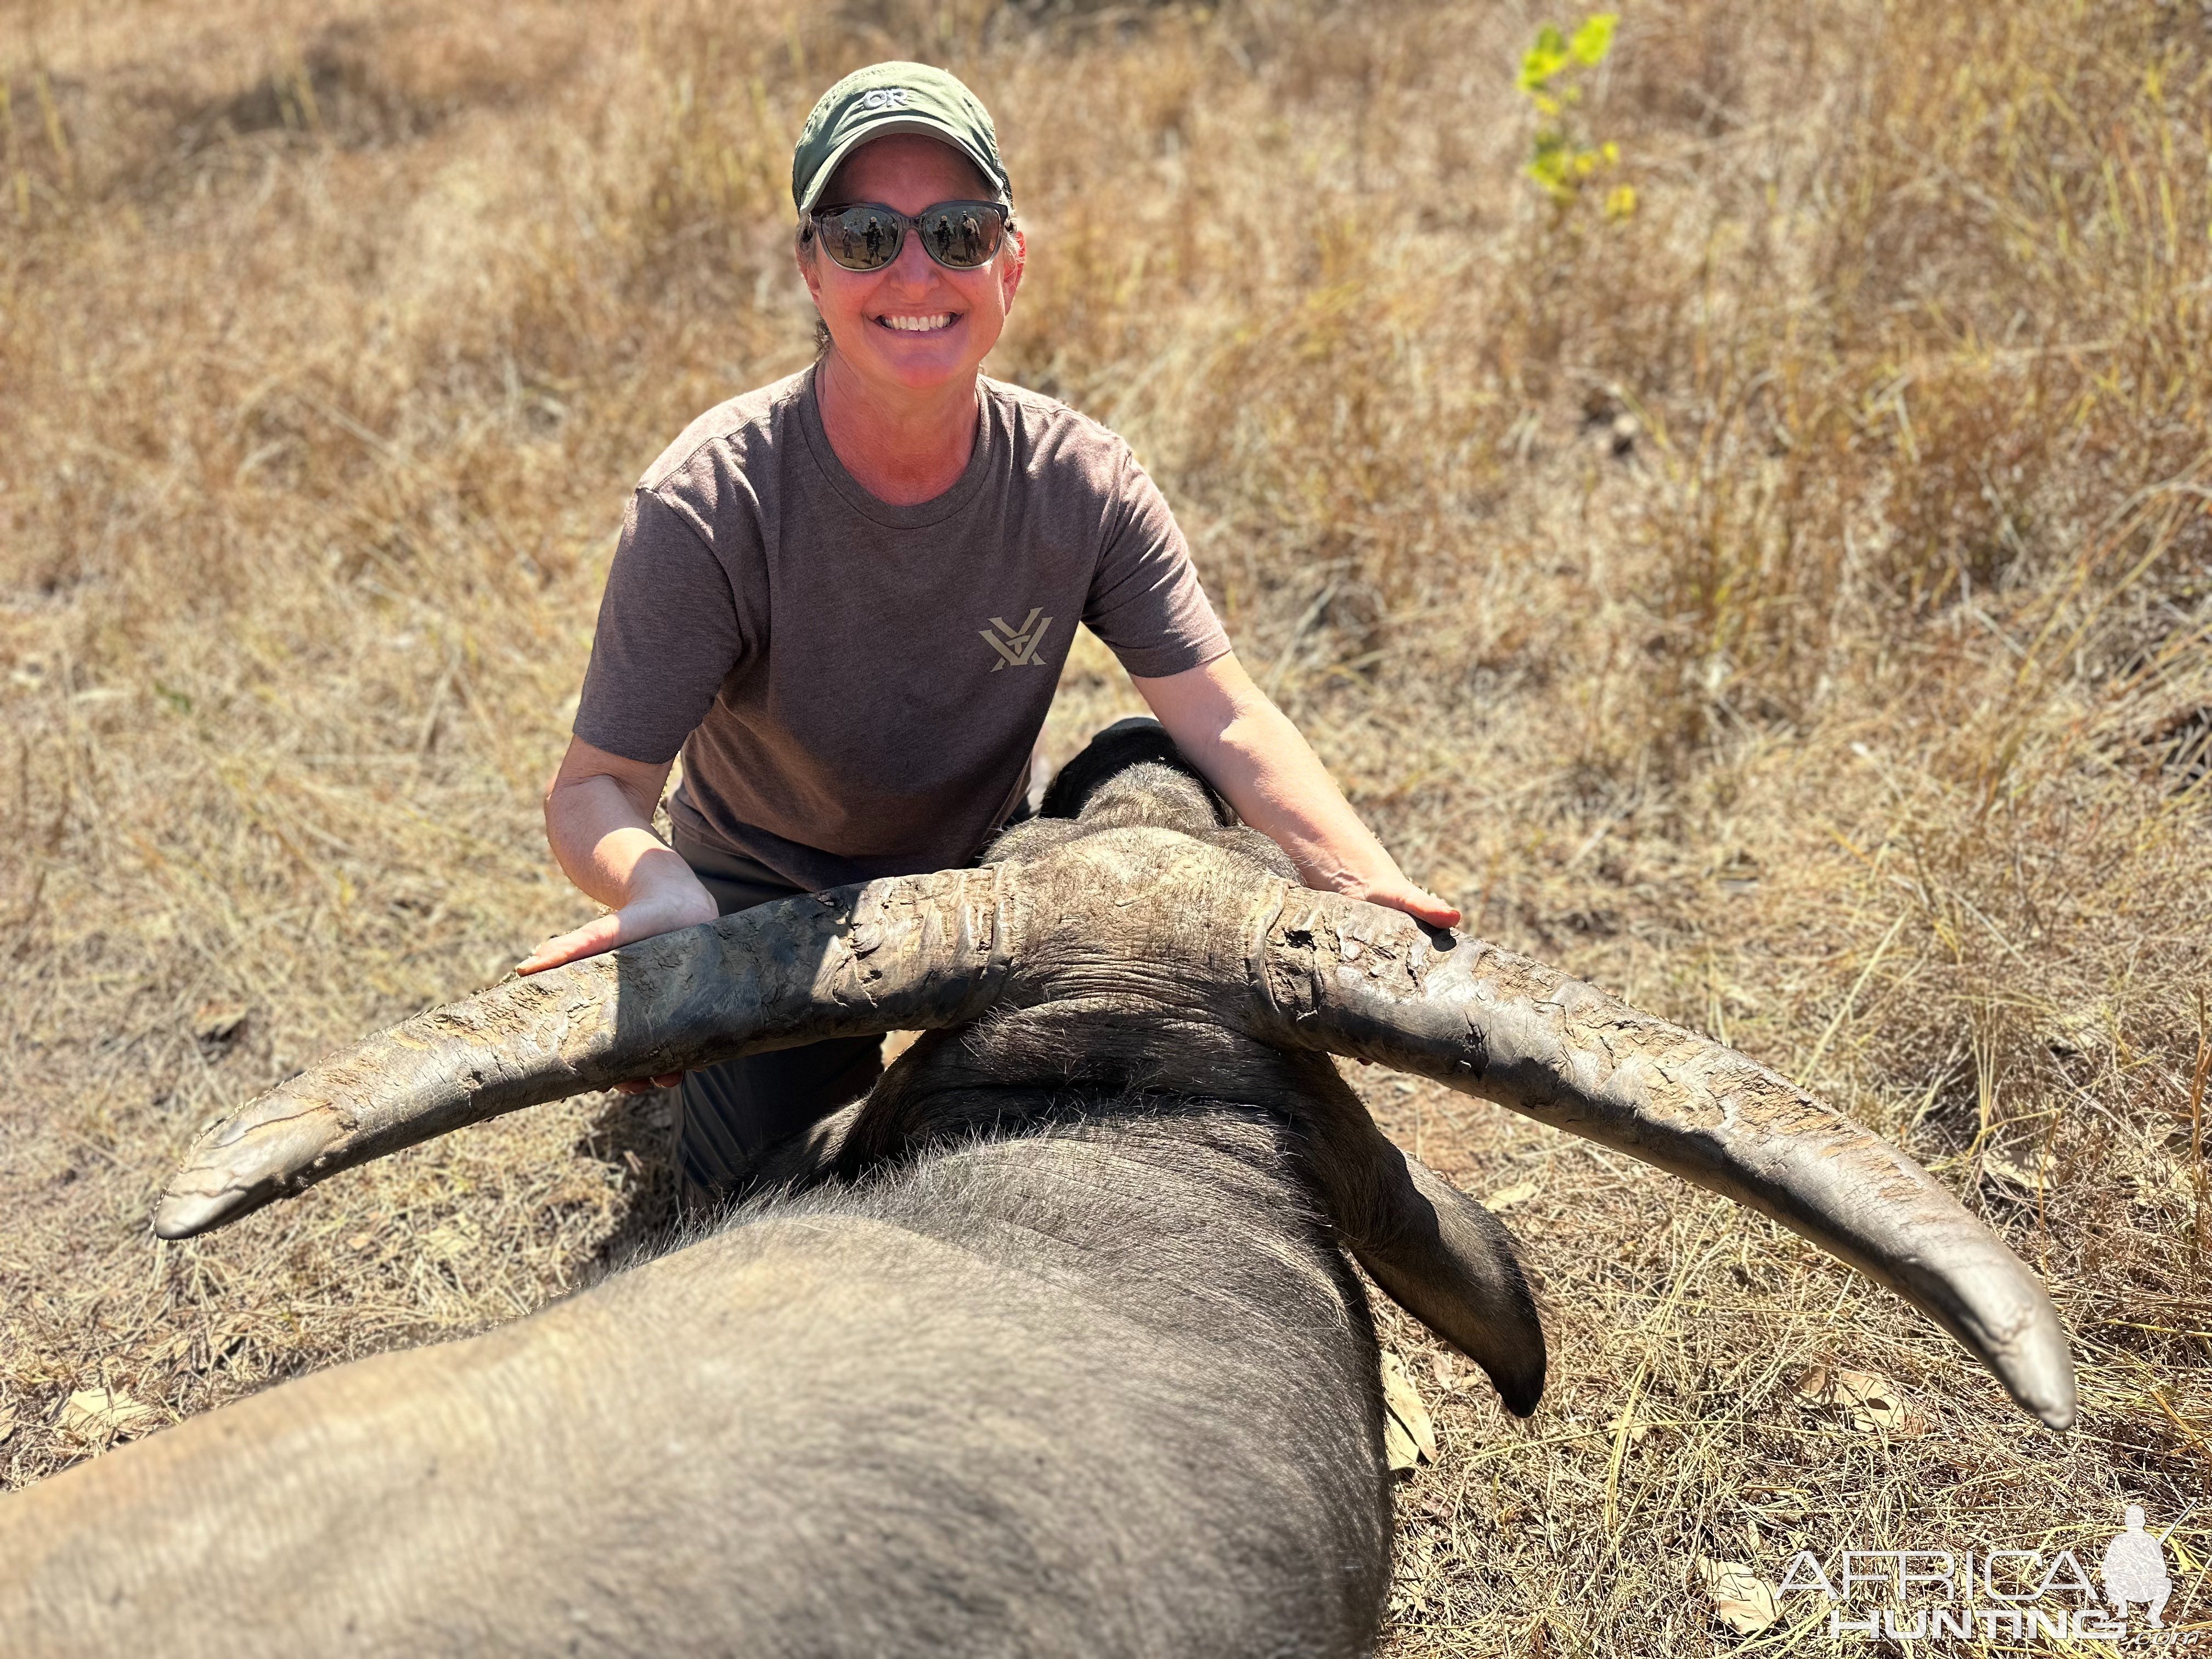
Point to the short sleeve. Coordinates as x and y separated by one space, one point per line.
668 635
1146 601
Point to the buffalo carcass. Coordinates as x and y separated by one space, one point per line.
1047 1346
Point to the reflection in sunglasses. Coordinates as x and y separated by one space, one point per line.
866 236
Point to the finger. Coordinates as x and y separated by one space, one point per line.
1434 911
1422 907
600 934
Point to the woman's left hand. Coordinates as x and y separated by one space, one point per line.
1401 895
1227 728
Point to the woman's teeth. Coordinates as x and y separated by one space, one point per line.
918 324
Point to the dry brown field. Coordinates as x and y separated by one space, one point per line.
1786 604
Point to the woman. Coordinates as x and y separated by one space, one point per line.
846 598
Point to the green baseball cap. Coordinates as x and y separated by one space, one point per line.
887 98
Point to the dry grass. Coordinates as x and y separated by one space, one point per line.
1787 605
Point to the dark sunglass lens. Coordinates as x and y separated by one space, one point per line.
961 236
860 238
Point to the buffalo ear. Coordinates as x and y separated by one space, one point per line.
1439 1255
1450 1262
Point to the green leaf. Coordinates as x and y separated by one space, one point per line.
1543 60
1551 167
1594 39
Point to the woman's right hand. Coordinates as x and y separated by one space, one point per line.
669 903
598 813
662 910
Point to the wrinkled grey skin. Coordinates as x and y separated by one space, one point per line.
1049 1348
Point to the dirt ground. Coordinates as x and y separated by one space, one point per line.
1759 560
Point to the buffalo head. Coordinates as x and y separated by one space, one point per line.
1134 906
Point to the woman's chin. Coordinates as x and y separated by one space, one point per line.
920 362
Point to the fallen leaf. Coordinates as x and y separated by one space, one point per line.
1636 1430
96 1413
7 1425
1741 1599
1871 1402
1398 1446
219 1021
1506 1197
360 1240
1403 1405
2001 1168
1446 1369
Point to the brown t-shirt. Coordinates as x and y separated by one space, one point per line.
856 687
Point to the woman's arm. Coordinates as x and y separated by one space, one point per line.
598 814
1254 756
598 811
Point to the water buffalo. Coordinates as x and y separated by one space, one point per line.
1047 1346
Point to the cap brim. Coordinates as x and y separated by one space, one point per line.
919 126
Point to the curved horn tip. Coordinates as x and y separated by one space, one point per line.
188 1214
2041 1380
1512 1030
2005 1320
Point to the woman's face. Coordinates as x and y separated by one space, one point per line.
913 325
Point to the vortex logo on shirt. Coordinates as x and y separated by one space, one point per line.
1018 646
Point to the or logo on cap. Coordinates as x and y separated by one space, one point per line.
885 97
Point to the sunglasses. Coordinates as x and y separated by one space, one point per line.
866 236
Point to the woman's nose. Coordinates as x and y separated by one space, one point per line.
913 266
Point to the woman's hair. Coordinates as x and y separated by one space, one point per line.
821 328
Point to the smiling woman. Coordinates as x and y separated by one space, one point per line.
814 602
908 330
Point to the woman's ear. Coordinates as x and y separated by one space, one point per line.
1010 270
802 253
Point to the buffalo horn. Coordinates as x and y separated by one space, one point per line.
1357 979
904 954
